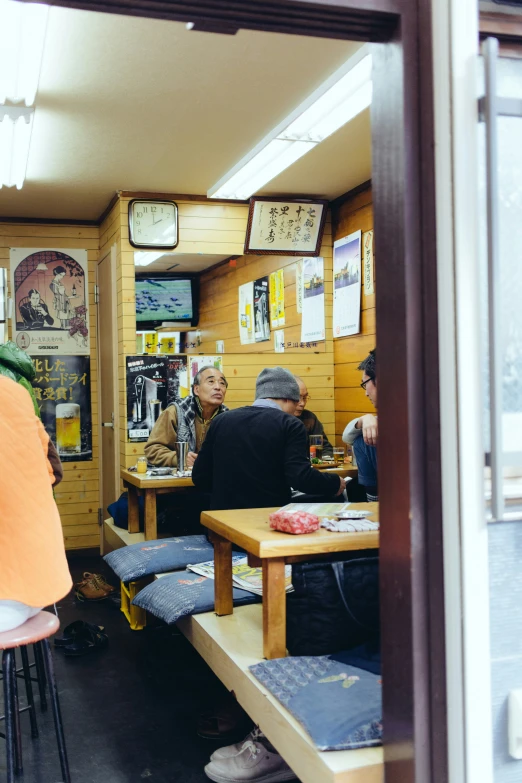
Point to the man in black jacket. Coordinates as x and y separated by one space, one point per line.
253 456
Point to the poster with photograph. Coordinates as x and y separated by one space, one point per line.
177 378
367 241
146 394
347 285
62 386
246 314
197 362
51 301
312 324
277 299
261 324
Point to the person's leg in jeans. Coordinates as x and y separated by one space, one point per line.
366 457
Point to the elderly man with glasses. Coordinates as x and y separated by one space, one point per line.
312 424
361 433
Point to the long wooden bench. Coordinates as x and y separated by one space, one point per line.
231 644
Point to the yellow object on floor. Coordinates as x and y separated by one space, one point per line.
137 618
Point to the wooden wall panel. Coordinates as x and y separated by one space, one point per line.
353 214
77 496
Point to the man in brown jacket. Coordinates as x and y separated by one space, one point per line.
188 420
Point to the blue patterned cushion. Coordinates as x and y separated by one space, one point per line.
339 705
177 595
157 557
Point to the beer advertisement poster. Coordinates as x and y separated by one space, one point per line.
146 394
261 304
51 301
62 386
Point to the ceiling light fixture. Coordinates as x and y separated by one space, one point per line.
144 257
23 28
16 124
337 101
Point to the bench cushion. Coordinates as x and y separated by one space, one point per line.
339 705
177 595
157 557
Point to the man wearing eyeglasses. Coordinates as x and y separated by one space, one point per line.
362 433
312 424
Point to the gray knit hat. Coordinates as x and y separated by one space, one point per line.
277 383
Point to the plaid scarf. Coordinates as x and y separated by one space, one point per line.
187 411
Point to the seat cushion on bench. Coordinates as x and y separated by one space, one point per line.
177 595
339 705
157 557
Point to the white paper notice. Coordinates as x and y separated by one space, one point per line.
279 341
368 262
347 285
312 325
299 285
246 314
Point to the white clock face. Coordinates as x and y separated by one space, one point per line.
154 224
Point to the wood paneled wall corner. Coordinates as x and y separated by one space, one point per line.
353 213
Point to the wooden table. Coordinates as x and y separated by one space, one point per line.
345 470
249 529
138 484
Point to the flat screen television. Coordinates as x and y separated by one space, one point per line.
169 299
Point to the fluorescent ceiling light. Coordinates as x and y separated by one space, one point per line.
23 28
339 99
145 257
15 137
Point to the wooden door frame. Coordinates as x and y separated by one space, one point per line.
412 588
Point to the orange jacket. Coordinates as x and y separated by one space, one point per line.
33 567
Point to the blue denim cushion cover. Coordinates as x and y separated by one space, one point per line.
157 557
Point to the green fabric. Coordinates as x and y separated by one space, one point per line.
17 365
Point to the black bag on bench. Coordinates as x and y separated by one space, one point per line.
334 606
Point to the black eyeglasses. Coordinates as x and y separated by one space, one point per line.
363 384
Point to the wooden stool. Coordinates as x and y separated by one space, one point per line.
35 631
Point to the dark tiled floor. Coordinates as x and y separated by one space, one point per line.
129 711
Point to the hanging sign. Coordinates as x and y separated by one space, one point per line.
51 301
277 299
367 242
246 314
289 227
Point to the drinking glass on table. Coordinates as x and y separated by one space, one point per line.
141 465
338 455
316 446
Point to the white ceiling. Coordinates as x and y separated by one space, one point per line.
145 105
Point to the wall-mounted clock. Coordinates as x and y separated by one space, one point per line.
153 224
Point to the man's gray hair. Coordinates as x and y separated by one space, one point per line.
197 377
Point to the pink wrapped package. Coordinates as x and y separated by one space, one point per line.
294 522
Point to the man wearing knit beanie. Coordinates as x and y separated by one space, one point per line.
252 457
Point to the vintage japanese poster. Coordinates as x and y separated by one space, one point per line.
279 341
246 314
261 323
289 228
146 394
197 362
177 378
347 285
277 299
51 301
312 324
367 242
62 386
299 284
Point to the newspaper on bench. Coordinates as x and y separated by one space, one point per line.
243 576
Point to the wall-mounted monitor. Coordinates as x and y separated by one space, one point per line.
166 300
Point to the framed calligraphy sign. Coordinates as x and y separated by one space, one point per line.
288 227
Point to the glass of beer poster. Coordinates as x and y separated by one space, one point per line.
68 433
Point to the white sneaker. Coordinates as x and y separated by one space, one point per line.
231 750
252 764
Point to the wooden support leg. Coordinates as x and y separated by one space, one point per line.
134 509
151 527
223 598
274 608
